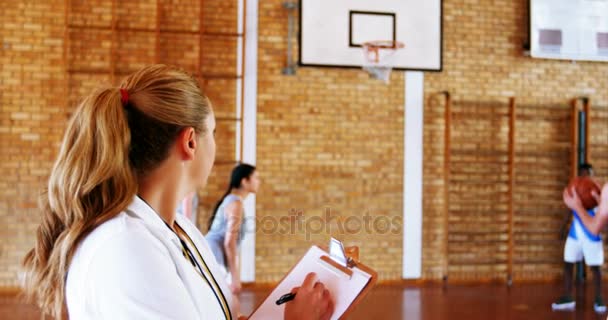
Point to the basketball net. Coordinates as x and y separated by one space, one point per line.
379 58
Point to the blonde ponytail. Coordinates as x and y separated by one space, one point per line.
106 147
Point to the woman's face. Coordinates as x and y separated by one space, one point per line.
205 155
252 184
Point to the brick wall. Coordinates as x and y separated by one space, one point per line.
46 70
483 61
329 140
330 147
32 120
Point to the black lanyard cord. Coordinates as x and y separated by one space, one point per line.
190 256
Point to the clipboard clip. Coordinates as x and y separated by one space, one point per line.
339 254
339 260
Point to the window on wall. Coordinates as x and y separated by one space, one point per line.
106 40
569 30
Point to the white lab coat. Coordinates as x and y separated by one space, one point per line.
132 267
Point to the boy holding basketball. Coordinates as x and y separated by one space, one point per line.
581 242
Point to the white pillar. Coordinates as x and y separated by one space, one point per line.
412 174
249 132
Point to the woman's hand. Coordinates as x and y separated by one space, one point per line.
312 301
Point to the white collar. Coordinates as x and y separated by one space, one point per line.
143 211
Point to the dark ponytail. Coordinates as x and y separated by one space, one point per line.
240 172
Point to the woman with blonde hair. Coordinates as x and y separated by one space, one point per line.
110 245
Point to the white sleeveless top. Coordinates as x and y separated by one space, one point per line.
133 267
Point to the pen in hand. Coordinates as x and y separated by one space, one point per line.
285 298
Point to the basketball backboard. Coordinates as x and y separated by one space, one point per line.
332 32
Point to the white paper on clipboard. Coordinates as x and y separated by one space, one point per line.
343 289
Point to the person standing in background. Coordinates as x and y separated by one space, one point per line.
226 224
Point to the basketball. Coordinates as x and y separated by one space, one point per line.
584 186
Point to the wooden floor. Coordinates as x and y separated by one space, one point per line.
529 301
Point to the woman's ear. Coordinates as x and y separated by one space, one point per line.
186 143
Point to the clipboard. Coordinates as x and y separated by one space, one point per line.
346 278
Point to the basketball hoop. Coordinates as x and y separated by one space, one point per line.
379 58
